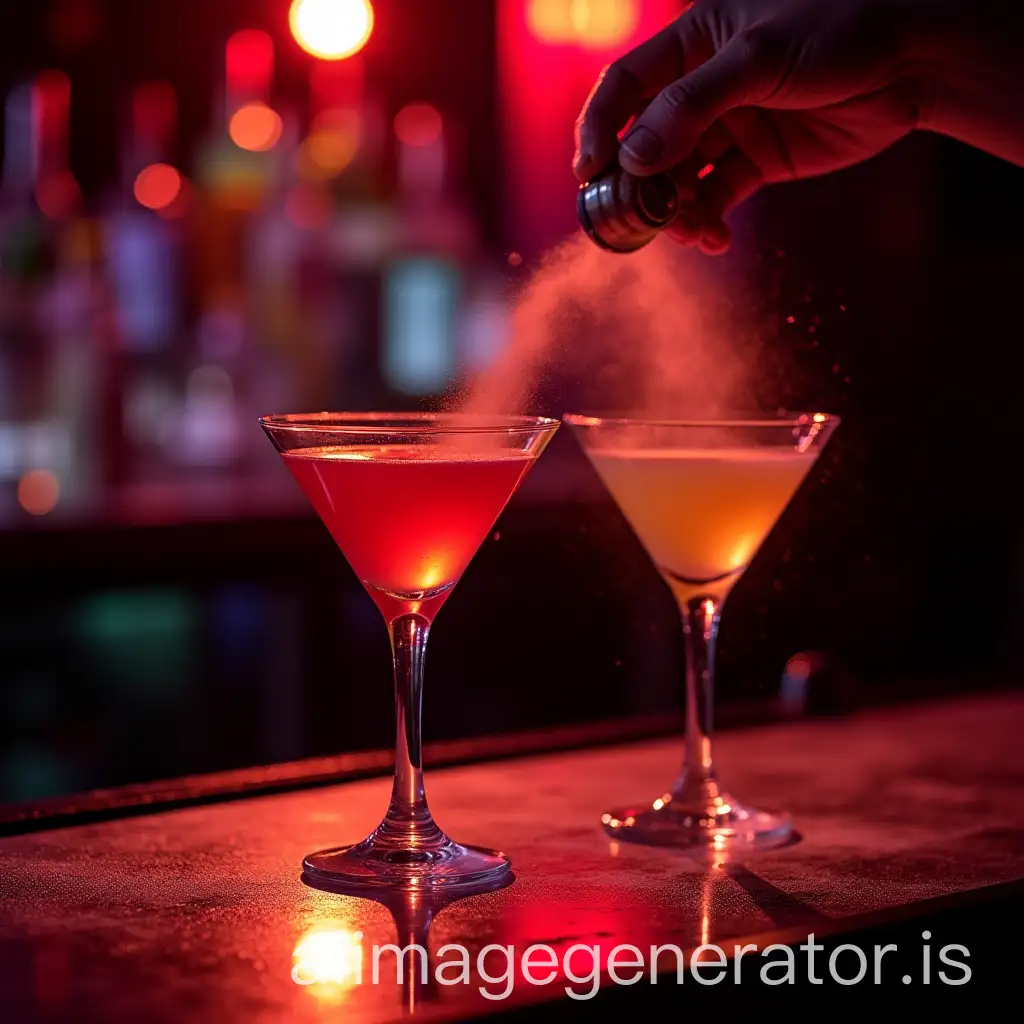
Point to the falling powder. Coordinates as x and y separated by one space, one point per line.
664 332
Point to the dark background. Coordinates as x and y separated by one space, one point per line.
216 633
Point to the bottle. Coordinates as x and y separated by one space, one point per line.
39 198
141 247
622 213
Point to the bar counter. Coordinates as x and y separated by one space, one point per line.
906 818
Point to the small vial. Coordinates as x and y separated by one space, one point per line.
622 213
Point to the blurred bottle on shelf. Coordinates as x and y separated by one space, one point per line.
343 158
235 172
39 208
142 247
277 238
433 277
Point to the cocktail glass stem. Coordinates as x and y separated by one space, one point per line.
700 630
696 811
408 819
408 851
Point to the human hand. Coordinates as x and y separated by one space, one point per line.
759 91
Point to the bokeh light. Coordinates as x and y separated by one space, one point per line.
181 204
157 186
328 963
249 62
331 29
38 492
589 23
331 145
255 127
57 194
418 124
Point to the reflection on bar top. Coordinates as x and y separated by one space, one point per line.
200 913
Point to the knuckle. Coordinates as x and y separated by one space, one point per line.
763 46
612 84
616 77
677 97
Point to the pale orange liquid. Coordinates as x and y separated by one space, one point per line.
702 514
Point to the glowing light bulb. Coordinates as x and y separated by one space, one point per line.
331 29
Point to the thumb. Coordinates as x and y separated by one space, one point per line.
667 131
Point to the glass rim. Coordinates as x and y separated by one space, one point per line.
411 422
734 420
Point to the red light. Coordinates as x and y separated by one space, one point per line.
337 83
255 127
57 194
705 171
249 61
38 492
157 186
418 124
180 205
53 99
331 29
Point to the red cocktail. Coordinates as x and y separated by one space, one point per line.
408 497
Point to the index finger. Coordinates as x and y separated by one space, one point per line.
622 89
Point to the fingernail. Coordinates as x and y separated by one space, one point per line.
643 145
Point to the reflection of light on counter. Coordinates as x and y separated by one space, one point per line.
38 492
329 962
255 127
331 29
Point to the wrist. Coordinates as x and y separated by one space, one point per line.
963 58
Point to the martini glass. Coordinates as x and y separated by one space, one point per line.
701 496
408 498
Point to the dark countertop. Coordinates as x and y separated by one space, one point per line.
195 914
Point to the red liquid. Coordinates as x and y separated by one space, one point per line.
409 518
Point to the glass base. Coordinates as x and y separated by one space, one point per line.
372 867
723 823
